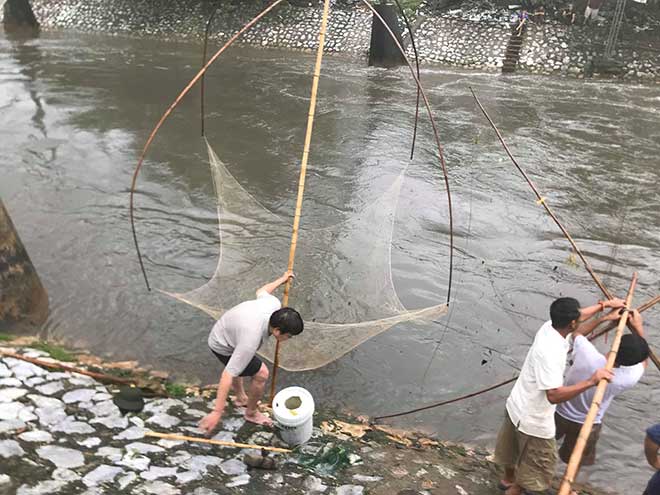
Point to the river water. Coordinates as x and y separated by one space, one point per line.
76 110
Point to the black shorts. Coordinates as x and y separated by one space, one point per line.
251 369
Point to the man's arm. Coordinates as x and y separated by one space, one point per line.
211 420
651 452
270 287
563 394
589 311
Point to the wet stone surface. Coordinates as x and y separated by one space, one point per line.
70 438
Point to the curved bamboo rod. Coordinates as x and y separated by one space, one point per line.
419 77
301 180
542 201
168 112
436 135
647 305
585 431
201 82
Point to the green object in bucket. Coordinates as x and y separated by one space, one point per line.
293 403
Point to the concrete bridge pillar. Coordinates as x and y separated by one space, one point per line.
18 14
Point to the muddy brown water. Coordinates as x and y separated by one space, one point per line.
76 110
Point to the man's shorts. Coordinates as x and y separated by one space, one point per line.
570 431
252 368
533 458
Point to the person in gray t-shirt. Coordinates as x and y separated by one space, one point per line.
235 339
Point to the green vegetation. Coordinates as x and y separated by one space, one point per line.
175 389
5 338
55 351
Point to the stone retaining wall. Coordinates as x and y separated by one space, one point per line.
548 49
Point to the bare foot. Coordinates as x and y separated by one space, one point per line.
258 418
240 400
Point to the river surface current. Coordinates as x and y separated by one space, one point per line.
77 109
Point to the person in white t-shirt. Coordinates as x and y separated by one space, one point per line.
629 366
526 446
235 339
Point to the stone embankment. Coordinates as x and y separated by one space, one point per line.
474 39
61 433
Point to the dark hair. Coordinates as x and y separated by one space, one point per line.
563 311
287 320
633 350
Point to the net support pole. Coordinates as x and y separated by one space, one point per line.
301 180
585 431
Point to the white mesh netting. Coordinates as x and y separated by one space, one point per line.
348 262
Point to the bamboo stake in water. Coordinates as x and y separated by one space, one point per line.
170 436
585 431
301 180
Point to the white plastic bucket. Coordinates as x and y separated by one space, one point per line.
293 410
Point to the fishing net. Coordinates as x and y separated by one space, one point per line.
343 289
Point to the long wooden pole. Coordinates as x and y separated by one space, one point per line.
171 436
543 202
585 431
73 369
301 180
647 305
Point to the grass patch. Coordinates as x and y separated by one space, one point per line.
175 389
55 351
5 338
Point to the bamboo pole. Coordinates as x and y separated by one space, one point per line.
580 444
301 180
58 366
647 305
171 436
164 117
543 202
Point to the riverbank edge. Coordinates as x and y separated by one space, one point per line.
548 49
378 459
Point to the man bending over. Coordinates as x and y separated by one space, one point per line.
235 339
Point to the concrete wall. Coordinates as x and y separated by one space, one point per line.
548 49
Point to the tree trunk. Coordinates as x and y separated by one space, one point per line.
22 297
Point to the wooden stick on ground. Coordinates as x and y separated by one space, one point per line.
585 431
301 180
170 436
59 366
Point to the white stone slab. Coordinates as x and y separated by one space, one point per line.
113 454
156 472
63 474
79 395
62 457
10 382
5 372
36 436
10 411
102 474
90 442
201 463
164 420
168 444
111 422
132 433
50 402
187 476
233 467
349 490
10 448
34 381
27 414
241 480
158 488
11 394
126 480
136 462
23 370
49 416
71 426
162 406
11 425
50 388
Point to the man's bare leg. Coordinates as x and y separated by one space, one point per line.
514 489
509 477
241 399
255 392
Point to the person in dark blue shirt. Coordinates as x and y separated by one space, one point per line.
651 448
